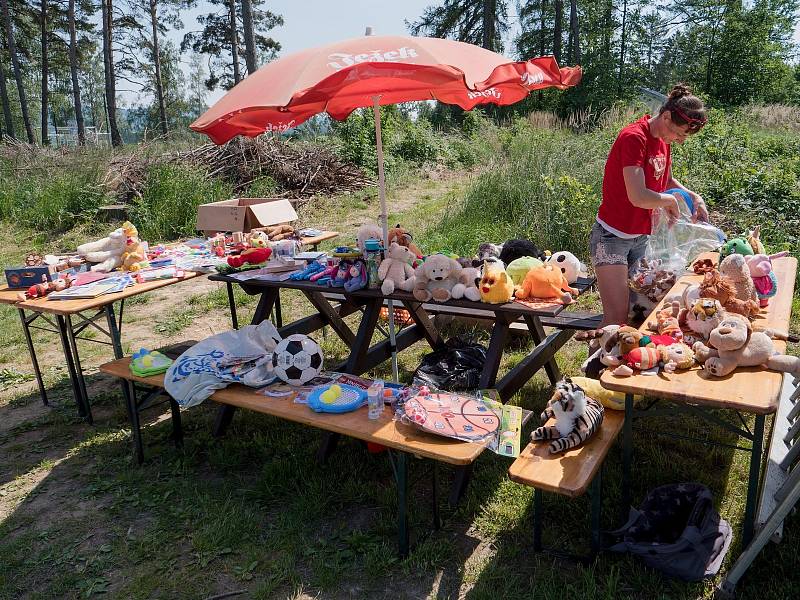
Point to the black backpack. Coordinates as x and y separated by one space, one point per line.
677 531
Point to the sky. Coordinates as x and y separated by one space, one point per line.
310 23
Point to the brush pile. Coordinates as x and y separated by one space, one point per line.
301 170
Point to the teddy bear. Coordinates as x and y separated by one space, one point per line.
106 252
670 358
623 340
603 356
368 231
435 278
715 286
546 282
395 270
570 266
404 238
467 286
734 267
495 287
734 344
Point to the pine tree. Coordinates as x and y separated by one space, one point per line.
479 22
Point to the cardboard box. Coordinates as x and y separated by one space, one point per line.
244 214
24 277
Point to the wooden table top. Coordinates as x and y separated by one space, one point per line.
354 424
753 390
314 240
71 307
514 309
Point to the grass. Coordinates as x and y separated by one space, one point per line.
254 510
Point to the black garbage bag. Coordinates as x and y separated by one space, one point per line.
456 367
677 531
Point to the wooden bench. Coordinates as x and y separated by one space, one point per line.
570 473
402 440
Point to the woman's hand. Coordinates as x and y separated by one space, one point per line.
700 212
670 205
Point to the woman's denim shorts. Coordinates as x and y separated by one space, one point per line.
608 249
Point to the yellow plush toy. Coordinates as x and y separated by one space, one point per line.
496 287
609 399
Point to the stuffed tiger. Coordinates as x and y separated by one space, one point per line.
577 417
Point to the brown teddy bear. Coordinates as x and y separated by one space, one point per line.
735 269
717 287
436 278
404 238
734 344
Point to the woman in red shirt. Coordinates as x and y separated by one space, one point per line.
638 170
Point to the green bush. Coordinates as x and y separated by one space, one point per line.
168 207
49 198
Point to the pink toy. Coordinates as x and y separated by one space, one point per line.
760 266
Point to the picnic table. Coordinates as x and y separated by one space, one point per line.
333 304
57 316
403 440
746 391
69 319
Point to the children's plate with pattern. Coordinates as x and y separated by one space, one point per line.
453 415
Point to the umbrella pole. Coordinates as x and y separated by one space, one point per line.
376 111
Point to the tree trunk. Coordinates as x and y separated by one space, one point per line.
73 68
162 109
622 47
542 27
108 63
559 17
6 105
608 32
249 37
489 19
574 32
45 74
234 41
12 50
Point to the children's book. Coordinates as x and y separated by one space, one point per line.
90 290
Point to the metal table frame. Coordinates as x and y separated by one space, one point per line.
69 333
755 436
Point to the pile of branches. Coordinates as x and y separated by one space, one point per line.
301 170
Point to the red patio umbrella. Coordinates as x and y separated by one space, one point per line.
374 71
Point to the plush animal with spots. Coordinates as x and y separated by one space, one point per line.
570 266
577 418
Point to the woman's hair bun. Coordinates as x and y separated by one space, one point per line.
679 91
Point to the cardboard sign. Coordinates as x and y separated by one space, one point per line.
244 214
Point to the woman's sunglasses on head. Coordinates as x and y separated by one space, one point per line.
694 124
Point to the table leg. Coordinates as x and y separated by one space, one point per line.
329 442
129 392
83 410
536 331
402 504
277 310
177 427
265 304
232 305
627 455
32 352
537 520
113 331
77 360
461 479
495 353
596 493
437 521
366 329
423 321
753 480
224 418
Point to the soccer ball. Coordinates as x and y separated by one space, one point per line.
297 359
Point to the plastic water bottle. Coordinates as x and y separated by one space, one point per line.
372 251
375 399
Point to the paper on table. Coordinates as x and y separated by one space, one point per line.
263 275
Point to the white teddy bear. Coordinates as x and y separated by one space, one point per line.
106 252
395 270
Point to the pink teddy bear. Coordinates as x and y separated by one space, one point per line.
764 280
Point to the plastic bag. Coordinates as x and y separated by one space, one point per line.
678 245
457 367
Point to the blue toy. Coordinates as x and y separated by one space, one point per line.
357 277
337 398
341 274
306 273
